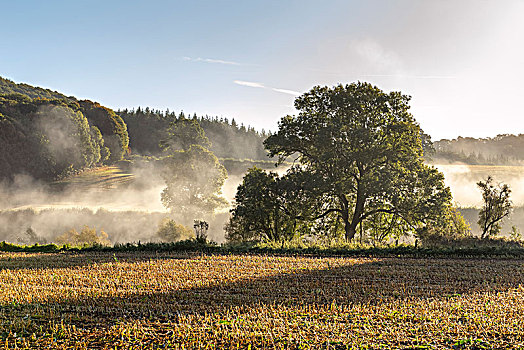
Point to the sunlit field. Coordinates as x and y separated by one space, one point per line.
148 300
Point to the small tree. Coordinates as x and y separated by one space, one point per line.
87 237
194 180
31 237
496 206
201 228
170 231
269 207
194 177
515 234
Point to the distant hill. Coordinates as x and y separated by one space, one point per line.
505 149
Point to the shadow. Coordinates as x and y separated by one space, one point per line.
346 283
363 281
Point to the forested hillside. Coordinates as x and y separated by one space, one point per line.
10 87
47 135
228 139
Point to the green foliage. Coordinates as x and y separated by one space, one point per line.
272 208
496 206
450 229
170 231
99 144
45 138
228 140
66 138
194 180
468 247
515 234
193 174
8 87
362 149
182 134
111 126
257 213
9 247
47 135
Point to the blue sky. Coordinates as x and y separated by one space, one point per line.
462 61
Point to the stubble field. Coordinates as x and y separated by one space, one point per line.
190 301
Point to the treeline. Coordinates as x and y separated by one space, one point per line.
48 138
228 139
8 87
504 149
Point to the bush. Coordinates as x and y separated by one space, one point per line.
450 230
87 237
31 237
170 231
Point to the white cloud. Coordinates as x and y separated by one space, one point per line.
211 60
285 91
406 76
249 84
262 86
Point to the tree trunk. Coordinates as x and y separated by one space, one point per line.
351 227
349 230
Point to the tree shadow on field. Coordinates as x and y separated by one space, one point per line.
364 281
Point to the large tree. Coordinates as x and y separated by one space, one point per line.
363 149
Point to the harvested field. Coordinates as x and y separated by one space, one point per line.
148 300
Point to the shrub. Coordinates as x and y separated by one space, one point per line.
170 231
88 236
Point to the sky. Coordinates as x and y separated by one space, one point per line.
461 61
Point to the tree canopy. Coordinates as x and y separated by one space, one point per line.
46 138
194 180
362 148
228 139
184 133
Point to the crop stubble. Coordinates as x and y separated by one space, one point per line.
144 300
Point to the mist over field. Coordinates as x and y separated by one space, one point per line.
125 205
462 180
129 208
